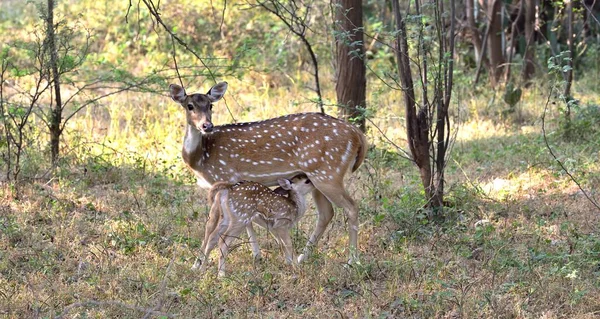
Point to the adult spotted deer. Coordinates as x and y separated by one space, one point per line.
235 207
320 146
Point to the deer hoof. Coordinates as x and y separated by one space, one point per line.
197 265
353 260
301 258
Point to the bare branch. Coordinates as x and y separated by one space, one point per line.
562 166
154 11
297 25
175 61
400 149
99 97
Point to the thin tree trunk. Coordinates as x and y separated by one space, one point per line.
569 73
56 115
513 39
570 44
416 122
7 156
482 55
473 30
443 122
422 56
528 59
351 70
495 41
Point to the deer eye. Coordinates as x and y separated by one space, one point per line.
307 181
210 107
190 106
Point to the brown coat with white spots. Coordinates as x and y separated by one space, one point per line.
320 146
234 207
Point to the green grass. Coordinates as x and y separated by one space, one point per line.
115 233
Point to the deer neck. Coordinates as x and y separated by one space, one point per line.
300 203
194 147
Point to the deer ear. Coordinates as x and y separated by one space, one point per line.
177 93
285 184
216 92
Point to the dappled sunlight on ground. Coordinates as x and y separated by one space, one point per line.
527 185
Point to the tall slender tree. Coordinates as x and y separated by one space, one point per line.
427 119
494 40
351 85
528 59
56 113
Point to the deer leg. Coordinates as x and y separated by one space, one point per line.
325 215
338 195
286 242
225 242
253 242
208 245
209 230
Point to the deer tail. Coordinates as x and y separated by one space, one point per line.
362 151
215 189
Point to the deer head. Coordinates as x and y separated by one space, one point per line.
198 106
299 184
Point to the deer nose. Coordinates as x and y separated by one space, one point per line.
207 127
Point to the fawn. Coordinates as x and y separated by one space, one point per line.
235 207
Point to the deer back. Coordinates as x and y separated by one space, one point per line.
248 199
322 147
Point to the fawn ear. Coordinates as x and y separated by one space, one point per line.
285 184
177 93
216 92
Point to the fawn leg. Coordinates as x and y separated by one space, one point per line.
325 215
225 242
253 241
211 234
285 240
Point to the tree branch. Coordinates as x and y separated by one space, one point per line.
297 25
154 11
562 166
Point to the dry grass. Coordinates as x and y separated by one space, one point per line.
115 233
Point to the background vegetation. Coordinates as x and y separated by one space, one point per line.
111 227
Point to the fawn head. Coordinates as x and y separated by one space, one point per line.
198 106
299 183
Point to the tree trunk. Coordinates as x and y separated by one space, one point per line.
568 76
56 114
571 46
417 127
443 121
528 59
7 157
428 124
514 36
494 42
351 83
475 35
